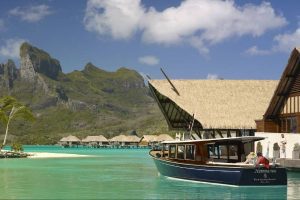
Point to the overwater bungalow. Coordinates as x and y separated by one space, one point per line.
148 140
151 140
164 137
70 141
95 141
125 141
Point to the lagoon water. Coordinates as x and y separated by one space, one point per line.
114 174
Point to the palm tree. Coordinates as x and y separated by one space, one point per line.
10 109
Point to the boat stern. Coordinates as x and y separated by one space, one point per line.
262 176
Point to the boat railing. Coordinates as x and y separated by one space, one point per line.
241 164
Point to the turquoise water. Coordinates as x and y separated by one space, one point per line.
115 174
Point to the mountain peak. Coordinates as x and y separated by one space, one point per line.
91 68
37 60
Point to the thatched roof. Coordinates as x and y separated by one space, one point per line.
149 138
164 137
220 104
125 138
97 138
118 138
157 138
70 138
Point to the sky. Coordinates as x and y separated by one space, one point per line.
191 39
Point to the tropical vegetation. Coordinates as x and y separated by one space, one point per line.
11 109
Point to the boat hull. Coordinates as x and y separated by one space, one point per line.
222 174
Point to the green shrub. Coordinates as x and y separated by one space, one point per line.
17 147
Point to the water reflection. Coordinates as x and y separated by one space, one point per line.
178 189
293 185
116 174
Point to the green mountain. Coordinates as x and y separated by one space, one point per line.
91 101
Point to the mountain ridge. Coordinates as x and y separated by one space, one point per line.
80 102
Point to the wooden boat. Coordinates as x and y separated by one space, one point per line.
216 161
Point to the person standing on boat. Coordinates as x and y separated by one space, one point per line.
262 160
283 146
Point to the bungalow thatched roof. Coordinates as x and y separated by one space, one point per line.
164 137
125 138
149 138
97 138
220 104
118 138
70 138
157 138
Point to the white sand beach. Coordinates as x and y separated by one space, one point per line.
54 155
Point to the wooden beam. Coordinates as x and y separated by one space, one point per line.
173 87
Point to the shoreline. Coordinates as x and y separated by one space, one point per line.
34 155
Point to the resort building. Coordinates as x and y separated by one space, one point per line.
231 108
164 137
70 141
282 115
95 141
152 140
125 140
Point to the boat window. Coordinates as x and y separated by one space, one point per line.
172 151
233 152
213 151
223 152
190 152
180 151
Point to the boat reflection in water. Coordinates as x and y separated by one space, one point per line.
218 161
195 190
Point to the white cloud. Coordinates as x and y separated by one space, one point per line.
149 60
286 42
194 22
283 43
117 18
11 48
32 13
212 76
254 50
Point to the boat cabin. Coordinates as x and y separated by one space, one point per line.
223 150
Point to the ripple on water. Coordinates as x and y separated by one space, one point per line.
115 174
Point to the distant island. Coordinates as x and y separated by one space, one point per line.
88 102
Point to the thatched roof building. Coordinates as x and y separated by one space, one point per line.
282 114
215 104
152 139
118 138
97 138
149 138
239 106
70 138
164 137
126 138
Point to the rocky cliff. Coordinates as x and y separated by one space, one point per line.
34 60
8 74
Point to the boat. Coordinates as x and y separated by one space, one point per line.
218 161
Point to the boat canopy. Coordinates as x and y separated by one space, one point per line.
244 139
